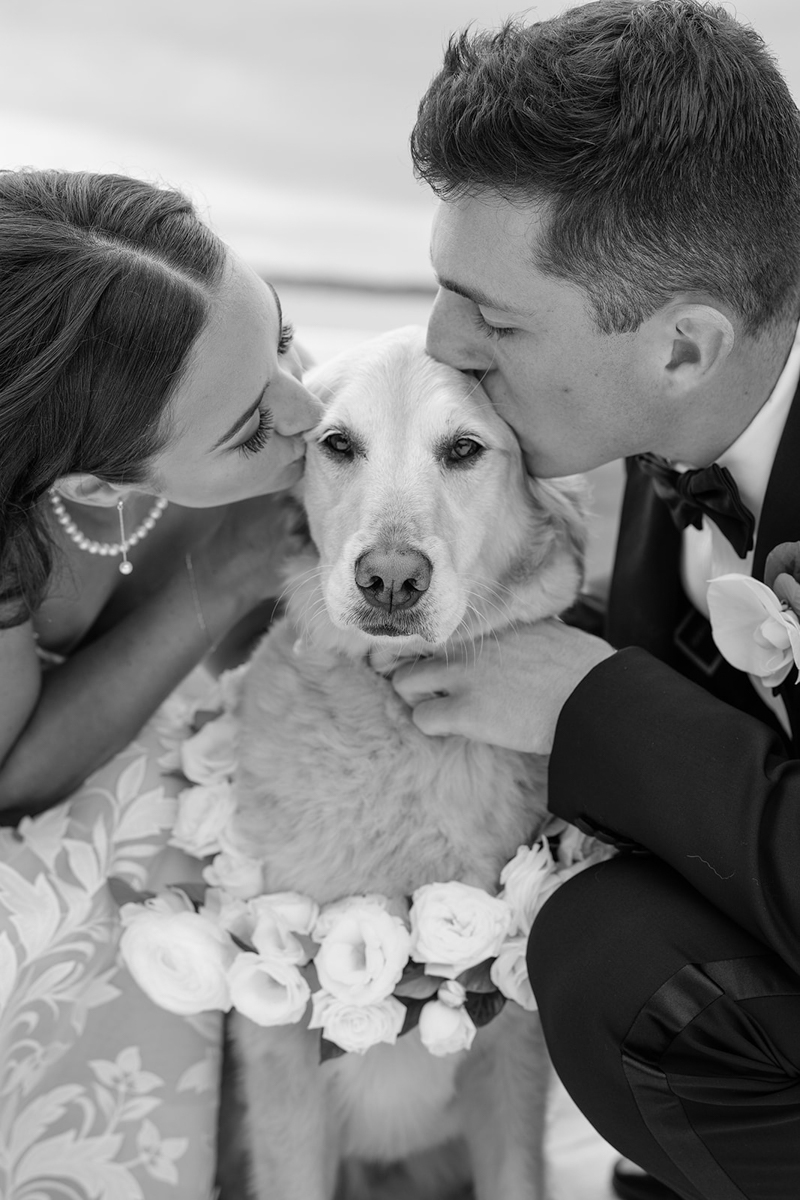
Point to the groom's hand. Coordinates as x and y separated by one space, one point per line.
508 691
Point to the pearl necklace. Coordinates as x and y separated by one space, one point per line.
112 549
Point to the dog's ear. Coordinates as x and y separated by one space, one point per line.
566 502
326 379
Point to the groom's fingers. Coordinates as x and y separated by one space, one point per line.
417 681
438 716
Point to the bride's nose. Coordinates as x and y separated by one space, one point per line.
299 409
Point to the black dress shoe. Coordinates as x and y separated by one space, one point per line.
628 1186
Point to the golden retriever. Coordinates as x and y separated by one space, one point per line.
428 533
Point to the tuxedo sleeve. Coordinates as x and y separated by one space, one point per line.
644 757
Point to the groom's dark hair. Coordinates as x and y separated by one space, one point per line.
660 137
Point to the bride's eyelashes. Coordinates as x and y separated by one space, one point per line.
258 440
286 337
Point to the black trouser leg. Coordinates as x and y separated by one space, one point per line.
675 1031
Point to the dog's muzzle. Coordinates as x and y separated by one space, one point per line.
393 580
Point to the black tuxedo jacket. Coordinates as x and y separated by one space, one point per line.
666 747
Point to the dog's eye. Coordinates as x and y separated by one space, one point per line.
463 449
338 443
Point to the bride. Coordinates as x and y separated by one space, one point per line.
151 406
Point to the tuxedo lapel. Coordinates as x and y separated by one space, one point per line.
646 600
780 515
780 522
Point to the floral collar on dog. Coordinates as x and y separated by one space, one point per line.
368 968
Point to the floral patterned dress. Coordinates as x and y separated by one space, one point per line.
103 1095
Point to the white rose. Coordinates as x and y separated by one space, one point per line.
356 1027
331 913
509 973
528 879
238 875
751 628
455 926
268 991
203 813
444 1029
575 846
178 957
300 913
210 756
272 938
228 912
363 950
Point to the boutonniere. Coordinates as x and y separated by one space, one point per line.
756 626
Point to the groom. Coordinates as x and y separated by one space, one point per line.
618 253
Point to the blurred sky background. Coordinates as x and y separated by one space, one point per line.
287 119
288 123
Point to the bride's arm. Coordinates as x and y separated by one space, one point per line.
58 726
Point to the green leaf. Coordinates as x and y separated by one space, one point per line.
329 1050
483 1007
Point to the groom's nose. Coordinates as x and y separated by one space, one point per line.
453 337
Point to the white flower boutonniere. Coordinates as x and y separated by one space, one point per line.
756 626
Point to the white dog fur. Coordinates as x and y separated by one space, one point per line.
340 794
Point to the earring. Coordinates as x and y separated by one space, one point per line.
125 567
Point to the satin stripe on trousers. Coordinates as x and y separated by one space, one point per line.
675 1031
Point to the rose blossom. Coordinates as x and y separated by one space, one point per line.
203 813
273 939
509 973
209 756
300 913
528 879
356 1027
178 957
444 1029
240 876
268 991
455 926
228 912
752 629
363 950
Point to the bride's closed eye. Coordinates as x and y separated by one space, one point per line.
258 440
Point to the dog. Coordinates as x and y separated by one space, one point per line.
427 535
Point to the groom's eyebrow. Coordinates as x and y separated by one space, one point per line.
474 294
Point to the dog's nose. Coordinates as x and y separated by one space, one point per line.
393 579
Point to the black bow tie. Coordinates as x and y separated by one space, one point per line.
709 491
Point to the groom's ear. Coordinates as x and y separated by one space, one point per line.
88 489
698 340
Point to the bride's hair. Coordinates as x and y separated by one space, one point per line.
105 284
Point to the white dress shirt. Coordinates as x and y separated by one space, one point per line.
706 551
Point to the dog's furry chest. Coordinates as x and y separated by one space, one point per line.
340 793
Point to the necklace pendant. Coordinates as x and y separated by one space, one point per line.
107 548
